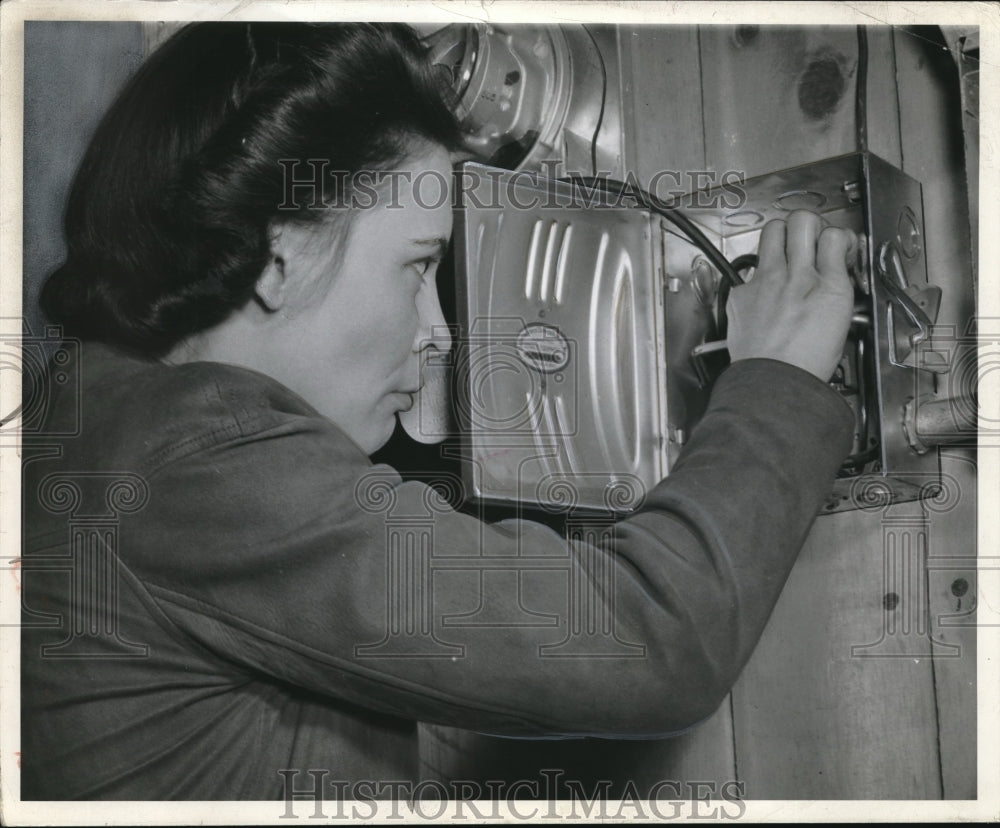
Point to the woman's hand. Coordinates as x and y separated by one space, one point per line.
797 308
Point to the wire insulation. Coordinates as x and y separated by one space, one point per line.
620 189
604 100
740 263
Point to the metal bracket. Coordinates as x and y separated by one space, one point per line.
918 305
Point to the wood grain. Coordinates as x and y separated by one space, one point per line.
832 705
884 138
838 700
933 152
776 97
661 81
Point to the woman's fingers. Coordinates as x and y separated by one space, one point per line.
832 251
791 244
800 245
797 308
771 248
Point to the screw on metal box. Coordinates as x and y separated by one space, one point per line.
852 189
908 234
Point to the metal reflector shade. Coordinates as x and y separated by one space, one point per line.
561 373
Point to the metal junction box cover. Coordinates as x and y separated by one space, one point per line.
561 367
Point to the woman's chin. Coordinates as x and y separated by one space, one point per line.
376 440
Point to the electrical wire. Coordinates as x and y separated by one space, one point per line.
739 264
861 92
604 100
744 262
729 270
671 214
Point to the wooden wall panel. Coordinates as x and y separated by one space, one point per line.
884 137
953 596
933 152
776 97
662 96
817 713
832 705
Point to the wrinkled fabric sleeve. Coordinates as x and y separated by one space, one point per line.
325 572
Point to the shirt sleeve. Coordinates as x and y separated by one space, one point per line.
287 554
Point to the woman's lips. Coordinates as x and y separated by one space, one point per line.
407 399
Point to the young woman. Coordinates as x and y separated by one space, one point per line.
241 357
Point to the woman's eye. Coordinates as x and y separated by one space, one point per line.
424 266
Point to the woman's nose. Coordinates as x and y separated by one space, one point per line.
433 331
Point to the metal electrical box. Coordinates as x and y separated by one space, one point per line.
577 371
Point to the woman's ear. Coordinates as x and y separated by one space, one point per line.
271 288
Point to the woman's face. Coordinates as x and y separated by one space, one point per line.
364 306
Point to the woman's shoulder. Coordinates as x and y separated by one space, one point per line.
111 371
157 411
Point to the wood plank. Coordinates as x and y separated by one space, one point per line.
932 149
883 102
777 96
661 82
953 596
815 715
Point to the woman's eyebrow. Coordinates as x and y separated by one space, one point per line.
440 242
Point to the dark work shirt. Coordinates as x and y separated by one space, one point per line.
219 585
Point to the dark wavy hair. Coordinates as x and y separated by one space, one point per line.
168 217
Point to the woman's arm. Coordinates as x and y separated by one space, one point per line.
296 578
